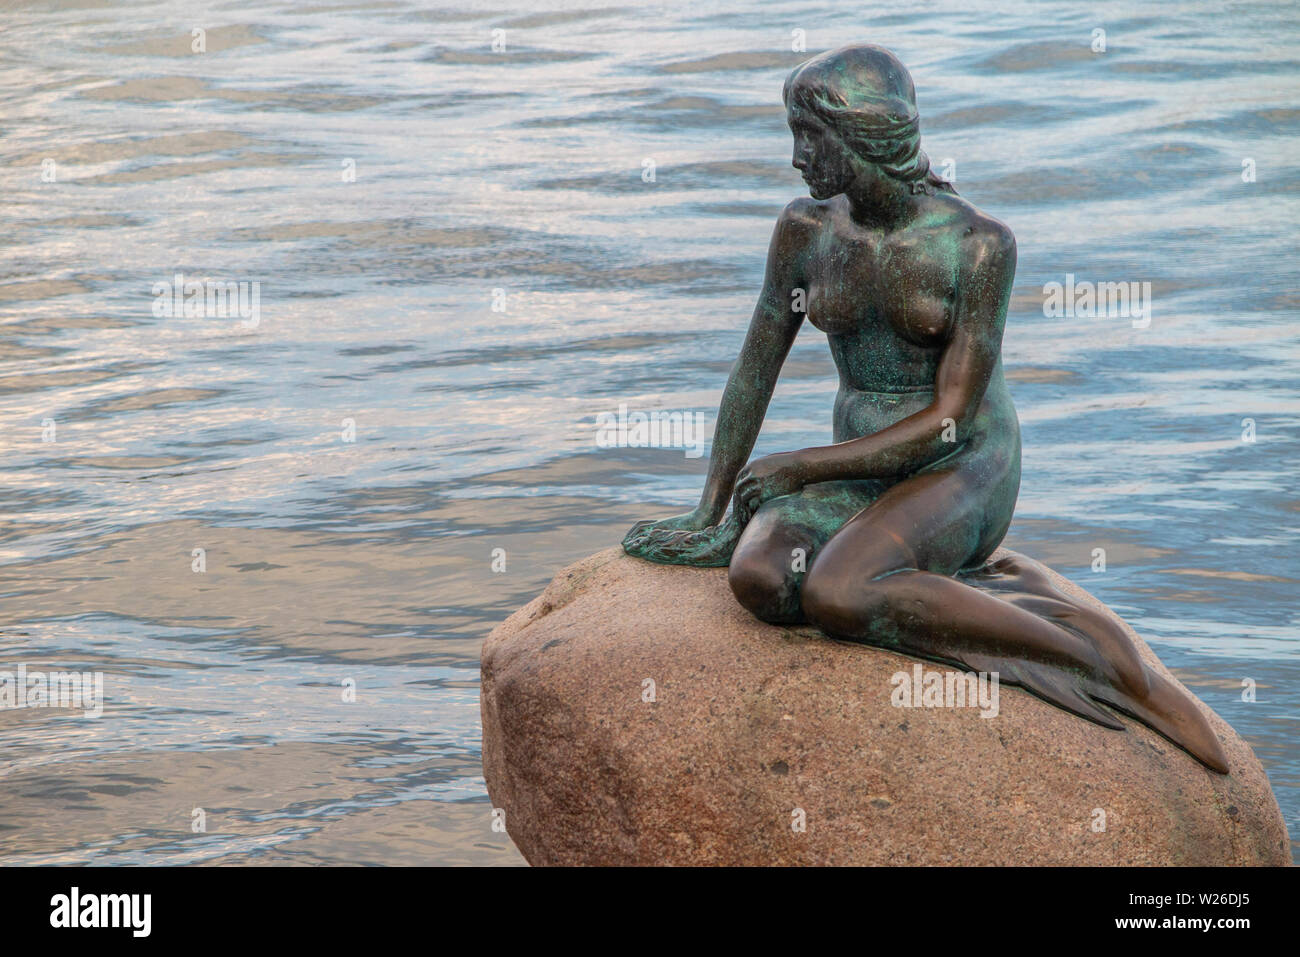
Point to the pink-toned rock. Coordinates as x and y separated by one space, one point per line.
754 727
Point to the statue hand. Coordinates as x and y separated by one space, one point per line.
689 521
710 546
765 479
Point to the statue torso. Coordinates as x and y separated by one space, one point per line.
886 301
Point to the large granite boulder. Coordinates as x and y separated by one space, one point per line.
636 714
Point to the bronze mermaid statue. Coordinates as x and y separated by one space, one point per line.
884 537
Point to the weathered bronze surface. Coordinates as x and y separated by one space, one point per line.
883 537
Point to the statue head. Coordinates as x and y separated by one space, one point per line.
853 114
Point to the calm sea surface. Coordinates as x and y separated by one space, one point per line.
349 463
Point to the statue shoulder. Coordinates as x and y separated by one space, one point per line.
802 215
986 236
800 221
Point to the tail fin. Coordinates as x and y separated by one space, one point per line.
1172 712
1130 686
1167 709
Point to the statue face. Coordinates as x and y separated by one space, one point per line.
820 155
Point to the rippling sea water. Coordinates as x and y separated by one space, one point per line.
388 177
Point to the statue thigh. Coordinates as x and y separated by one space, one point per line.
939 521
778 544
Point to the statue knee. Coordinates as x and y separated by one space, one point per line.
823 601
765 587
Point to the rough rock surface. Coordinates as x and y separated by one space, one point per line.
753 727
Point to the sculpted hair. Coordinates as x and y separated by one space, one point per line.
866 96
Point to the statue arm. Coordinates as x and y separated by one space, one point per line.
697 537
752 381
